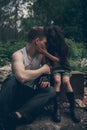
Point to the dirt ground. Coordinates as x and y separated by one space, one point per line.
44 122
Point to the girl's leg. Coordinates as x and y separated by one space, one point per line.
57 113
70 96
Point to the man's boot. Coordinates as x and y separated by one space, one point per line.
74 115
56 112
12 121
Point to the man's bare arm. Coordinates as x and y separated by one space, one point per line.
25 75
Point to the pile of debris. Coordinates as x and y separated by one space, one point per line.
4 71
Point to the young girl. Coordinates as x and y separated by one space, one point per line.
58 55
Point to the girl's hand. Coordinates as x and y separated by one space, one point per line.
42 50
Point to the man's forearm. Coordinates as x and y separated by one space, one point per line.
27 75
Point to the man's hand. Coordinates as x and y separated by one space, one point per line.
44 81
45 84
46 69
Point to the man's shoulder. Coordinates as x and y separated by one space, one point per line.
17 53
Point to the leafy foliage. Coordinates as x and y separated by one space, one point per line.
76 55
69 14
7 49
77 49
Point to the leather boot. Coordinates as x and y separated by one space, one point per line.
74 115
56 108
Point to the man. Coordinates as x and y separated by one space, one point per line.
20 99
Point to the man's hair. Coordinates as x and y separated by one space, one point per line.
36 32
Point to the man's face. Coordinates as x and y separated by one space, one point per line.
41 43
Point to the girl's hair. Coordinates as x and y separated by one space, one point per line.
56 42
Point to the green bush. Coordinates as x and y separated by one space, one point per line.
77 52
6 50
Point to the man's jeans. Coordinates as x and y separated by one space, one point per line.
16 97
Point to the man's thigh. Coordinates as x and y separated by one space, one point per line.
23 94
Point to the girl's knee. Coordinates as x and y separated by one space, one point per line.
57 79
66 81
